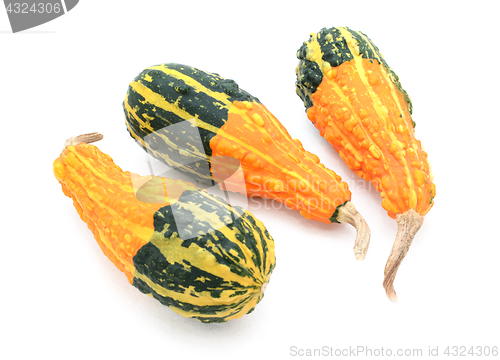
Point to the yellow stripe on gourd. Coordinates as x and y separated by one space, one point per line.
202 298
259 241
375 52
198 87
237 311
380 109
317 56
158 100
174 252
215 221
96 172
313 50
160 134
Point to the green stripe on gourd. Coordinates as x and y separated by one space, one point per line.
169 94
332 48
219 269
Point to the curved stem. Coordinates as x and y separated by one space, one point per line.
85 138
409 223
349 214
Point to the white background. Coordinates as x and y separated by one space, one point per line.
61 298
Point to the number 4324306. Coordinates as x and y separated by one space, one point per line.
471 351
36 8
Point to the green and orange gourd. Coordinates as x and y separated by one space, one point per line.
357 103
197 122
188 249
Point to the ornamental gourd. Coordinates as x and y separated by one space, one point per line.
357 103
190 250
225 122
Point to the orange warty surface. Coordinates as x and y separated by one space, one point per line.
376 139
105 199
278 168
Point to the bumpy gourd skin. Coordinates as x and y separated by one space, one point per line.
277 166
208 128
231 123
216 273
357 103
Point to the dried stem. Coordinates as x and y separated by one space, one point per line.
349 214
408 224
85 138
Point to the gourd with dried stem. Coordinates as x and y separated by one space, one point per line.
188 249
195 121
357 103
